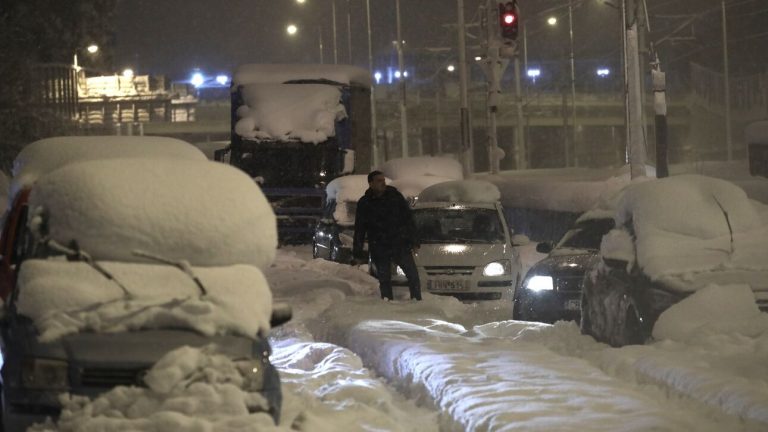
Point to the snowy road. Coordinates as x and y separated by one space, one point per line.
350 361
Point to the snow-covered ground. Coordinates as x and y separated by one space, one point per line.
351 361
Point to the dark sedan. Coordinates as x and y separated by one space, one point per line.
551 290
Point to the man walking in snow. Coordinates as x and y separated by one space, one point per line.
384 217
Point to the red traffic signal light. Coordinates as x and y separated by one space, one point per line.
508 20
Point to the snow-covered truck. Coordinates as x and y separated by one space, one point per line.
294 128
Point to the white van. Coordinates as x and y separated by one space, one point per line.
467 250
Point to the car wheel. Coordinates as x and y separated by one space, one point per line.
632 333
315 251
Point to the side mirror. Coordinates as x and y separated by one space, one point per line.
544 247
281 314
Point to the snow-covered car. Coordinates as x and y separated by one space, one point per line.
466 248
551 289
673 237
335 231
125 260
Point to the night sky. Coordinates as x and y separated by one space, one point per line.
174 36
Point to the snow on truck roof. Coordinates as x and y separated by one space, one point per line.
281 73
444 167
285 112
46 155
206 213
461 191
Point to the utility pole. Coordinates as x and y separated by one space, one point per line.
401 68
637 154
349 32
466 131
728 139
572 136
374 135
320 40
335 41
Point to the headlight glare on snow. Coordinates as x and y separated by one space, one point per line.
40 373
540 283
497 268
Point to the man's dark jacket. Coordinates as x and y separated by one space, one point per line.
386 221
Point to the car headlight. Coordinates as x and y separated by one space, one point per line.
540 283
498 268
40 373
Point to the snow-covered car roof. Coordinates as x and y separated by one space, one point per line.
207 213
46 155
411 187
438 166
464 191
691 230
289 112
281 73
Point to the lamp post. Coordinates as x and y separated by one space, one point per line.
401 69
374 144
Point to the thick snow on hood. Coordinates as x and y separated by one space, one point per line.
466 191
444 167
682 235
46 155
290 112
281 73
207 213
64 297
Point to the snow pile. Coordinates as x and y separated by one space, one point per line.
464 191
685 248
189 389
443 167
713 309
64 297
46 155
290 112
206 213
411 187
282 73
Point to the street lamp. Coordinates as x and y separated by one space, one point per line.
552 21
92 49
450 68
128 73
291 29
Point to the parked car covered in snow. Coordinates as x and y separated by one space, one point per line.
673 237
124 260
335 230
466 248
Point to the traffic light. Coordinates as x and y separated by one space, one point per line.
508 20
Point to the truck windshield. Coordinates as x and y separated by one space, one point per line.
443 225
289 164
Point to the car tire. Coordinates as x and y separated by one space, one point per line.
632 332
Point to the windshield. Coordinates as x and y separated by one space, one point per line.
444 225
586 235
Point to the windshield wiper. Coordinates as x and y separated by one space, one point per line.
74 253
182 265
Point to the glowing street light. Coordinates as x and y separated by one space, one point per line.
291 29
603 72
300 1
377 77
197 79
92 49
128 73
451 68
534 73
222 79
552 21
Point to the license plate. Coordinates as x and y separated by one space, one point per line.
447 285
572 305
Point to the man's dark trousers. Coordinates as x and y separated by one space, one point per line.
383 260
